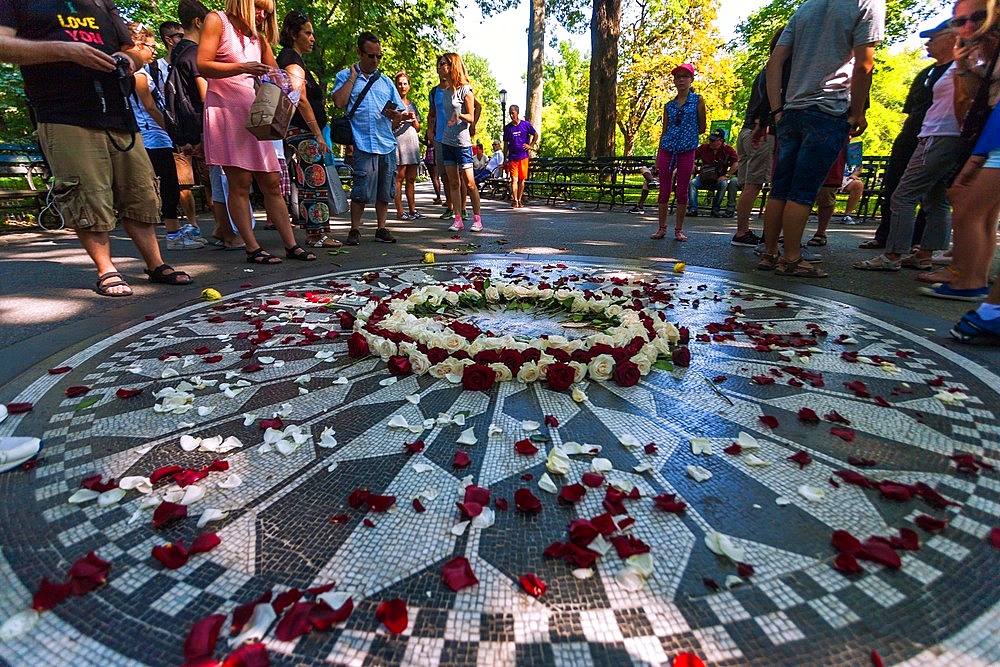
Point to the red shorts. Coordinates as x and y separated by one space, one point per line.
518 169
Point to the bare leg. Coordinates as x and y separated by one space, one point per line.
515 189
773 214
399 192
357 210
187 204
98 247
854 191
269 183
381 213
451 176
793 224
823 216
410 176
239 205
470 186
748 197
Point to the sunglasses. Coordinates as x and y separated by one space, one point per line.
175 35
975 17
680 116
373 56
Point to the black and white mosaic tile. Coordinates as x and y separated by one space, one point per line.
942 606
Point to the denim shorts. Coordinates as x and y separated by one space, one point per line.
374 177
808 143
460 155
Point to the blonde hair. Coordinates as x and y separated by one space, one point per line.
246 10
139 31
459 75
991 19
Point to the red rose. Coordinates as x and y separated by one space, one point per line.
582 356
560 376
469 332
398 365
477 377
346 321
685 335
357 346
531 354
511 359
487 357
681 356
437 354
626 373
561 355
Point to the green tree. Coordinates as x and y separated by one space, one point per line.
567 84
484 84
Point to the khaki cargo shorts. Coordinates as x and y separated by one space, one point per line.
94 183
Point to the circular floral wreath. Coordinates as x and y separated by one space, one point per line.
418 331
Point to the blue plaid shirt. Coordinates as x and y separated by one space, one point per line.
372 130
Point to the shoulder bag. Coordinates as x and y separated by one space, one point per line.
340 128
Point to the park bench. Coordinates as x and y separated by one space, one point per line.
23 176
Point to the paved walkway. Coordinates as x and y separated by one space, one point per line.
894 400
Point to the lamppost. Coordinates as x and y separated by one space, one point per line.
503 106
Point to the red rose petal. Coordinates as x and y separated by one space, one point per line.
73 392
668 503
461 460
319 590
457 574
592 479
243 612
763 379
96 483
501 504
167 513
769 421
414 447
629 545
204 542
165 471
60 370
323 616
880 552
861 463
477 494
876 659
551 421
845 434
651 448
836 417
200 642
212 359
847 564
19 408
171 555
808 415
380 503
295 622
525 501
745 570
358 498
87 573
418 506
339 518
525 447
248 655
572 493
855 478
470 510
532 585
845 543
392 614
127 393
909 540
275 423
687 660
895 491
284 600
711 584
995 537
49 594
882 402
930 524
801 457
734 449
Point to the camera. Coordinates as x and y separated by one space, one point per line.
122 67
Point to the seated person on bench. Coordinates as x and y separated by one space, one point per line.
719 163
648 181
491 167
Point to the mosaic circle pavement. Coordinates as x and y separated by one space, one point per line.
891 405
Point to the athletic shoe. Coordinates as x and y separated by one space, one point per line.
405 216
456 227
181 241
415 216
944 291
973 326
191 230
654 184
939 257
637 209
354 237
477 224
446 215
692 214
848 220
383 235
748 239
809 256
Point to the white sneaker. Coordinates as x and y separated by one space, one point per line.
848 220
17 450
457 227
477 225
181 241
191 230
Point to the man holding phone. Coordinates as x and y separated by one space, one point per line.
374 143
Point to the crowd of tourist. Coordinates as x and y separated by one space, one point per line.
188 113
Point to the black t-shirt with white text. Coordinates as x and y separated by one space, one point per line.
65 92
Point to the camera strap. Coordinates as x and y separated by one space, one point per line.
376 75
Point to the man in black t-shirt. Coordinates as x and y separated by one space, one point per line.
74 62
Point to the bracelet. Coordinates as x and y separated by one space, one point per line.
775 112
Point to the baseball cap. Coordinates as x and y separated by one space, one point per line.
716 134
686 68
944 26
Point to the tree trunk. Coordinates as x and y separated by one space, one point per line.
605 27
536 59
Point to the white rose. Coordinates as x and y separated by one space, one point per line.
601 367
452 342
562 294
544 362
580 370
444 368
451 297
417 298
600 338
580 305
545 294
473 293
642 361
528 372
492 294
671 332
503 373
613 310
385 348
407 349
508 292
419 363
522 291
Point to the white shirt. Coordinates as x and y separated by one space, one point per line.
940 119
495 161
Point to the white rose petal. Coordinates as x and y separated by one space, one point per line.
641 563
813 494
339 380
209 515
781 501
303 379
698 474
459 419
754 460
468 437
266 360
578 395
413 398
583 573
459 528
701 446
211 444
110 497
642 467
747 441
723 545
205 410
192 494
231 482
601 466
326 439
389 381
19 624
133 482
558 462
398 421
189 443
263 617
621 484
629 441
249 418
422 467
485 519
545 483
494 430
83 496
732 581
169 372
286 447
630 580
229 444
528 425
335 599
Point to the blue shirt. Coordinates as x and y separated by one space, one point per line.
441 114
682 136
372 130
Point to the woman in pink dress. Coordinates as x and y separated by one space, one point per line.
235 47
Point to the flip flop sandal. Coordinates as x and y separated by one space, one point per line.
299 253
659 233
767 262
796 270
324 242
872 244
261 256
103 287
817 240
914 262
880 263
160 275
679 235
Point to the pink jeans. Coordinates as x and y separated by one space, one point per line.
667 163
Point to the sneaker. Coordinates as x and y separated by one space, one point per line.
760 249
943 291
181 241
637 209
749 239
809 256
654 183
415 216
405 216
191 230
848 220
941 257
383 235
477 224
354 237
456 227
692 214
446 215
972 327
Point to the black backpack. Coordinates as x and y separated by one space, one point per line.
182 115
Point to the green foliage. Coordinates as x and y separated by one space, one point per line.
565 90
488 93
893 75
